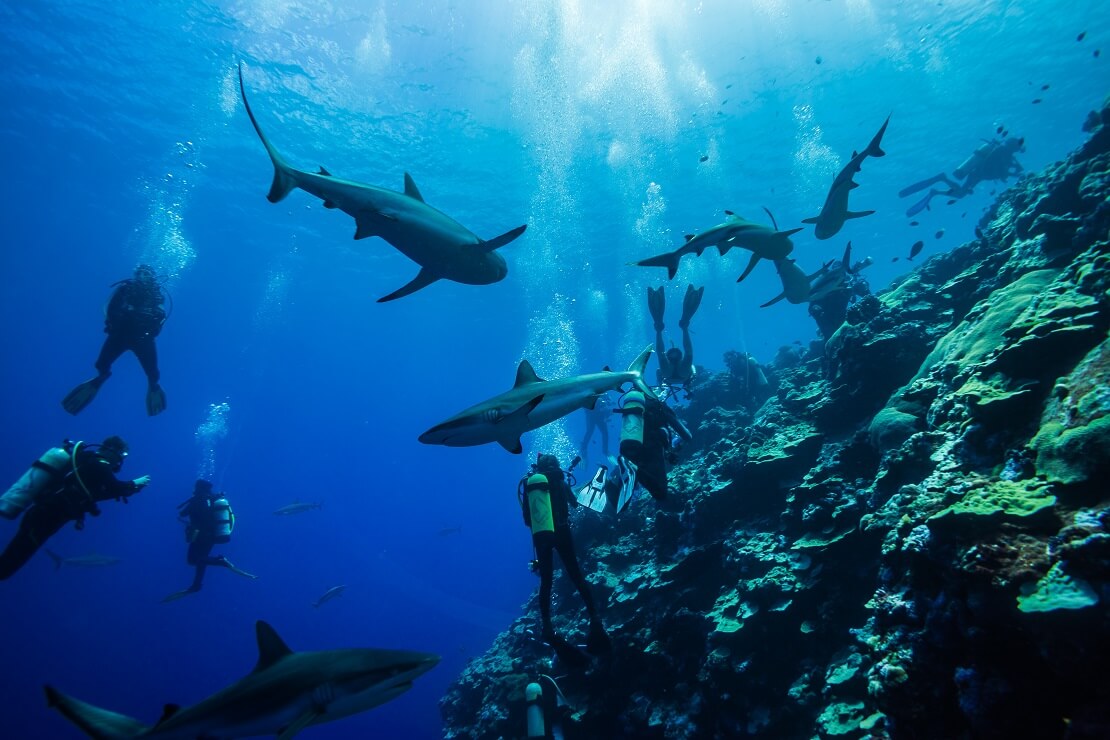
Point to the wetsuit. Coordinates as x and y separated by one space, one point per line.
79 495
558 539
204 516
650 455
133 319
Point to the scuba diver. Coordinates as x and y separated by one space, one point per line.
676 366
208 521
64 491
993 160
597 419
545 497
646 429
132 319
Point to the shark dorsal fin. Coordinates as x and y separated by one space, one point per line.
271 648
606 369
168 711
411 190
323 172
525 374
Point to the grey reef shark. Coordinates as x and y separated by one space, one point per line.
797 287
444 248
285 693
835 211
531 403
764 243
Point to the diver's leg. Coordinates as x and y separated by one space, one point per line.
114 346
544 543
37 526
928 182
565 547
147 354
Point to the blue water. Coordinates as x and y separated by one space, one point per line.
124 140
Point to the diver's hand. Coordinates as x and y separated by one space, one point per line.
142 482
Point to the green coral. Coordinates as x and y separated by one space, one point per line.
1006 497
1057 590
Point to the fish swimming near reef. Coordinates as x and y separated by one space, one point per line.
835 210
298 507
764 243
444 248
916 249
92 560
285 693
531 403
330 594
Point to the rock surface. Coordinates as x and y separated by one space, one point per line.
903 533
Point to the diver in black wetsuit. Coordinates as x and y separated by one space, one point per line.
133 318
89 479
676 366
646 428
209 521
546 500
993 160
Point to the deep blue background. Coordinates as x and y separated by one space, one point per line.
123 140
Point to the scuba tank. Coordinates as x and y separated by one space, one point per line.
538 495
632 422
223 518
44 475
534 712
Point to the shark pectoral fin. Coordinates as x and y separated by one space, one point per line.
299 724
810 220
748 270
774 300
423 279
512 445
94 721
411 190
791 232
514 421
500 241
364 227
857 214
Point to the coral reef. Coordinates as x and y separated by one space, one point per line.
901 532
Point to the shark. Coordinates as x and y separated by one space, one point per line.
92 560
835 211
764 243
531 403
832 276
298 507
444 248
330 594
285 693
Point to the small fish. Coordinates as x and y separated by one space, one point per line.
729 85
999 129
951 201
939 234
449 531
298 507
893 259
1082 35
916 249
92 560
1095 53
703 158
818 60
1044 87
330 594
724 101
963 215
914 223
1036 101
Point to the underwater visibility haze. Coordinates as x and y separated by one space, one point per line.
611 130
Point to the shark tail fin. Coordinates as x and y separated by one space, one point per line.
773 301
97 723
56 558
667 259
791 232
284 177
637 370
874 149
